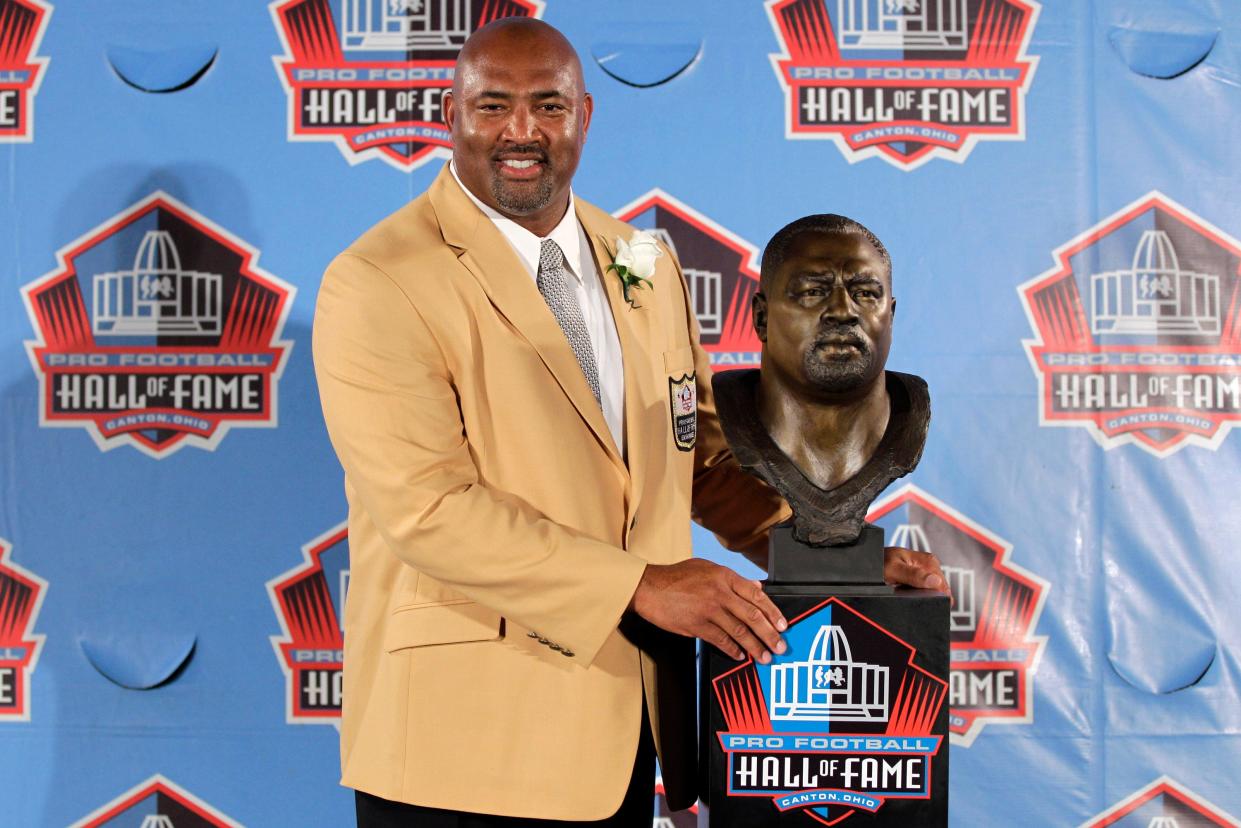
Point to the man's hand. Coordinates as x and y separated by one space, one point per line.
905 567
705 600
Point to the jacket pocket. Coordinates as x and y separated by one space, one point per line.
679 361
448 623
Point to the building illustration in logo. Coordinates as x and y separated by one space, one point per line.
1138 330
158 330
904 80
996 607
405 25
157 802
1154 295
309 601
21 596
22 24
828 685
370 75
908 25
156 296
844 697
1163 803
721 273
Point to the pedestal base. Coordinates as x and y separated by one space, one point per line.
853 717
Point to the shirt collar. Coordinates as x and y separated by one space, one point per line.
566 234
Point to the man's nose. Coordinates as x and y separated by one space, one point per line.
521 127
839 306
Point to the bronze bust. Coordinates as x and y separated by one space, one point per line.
821 421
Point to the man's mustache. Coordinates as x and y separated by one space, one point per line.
535 151
841 335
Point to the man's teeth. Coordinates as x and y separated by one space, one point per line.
519 165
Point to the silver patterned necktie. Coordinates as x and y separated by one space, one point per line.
554 285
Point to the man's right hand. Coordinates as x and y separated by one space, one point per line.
704 600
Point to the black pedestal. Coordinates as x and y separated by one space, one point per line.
853 717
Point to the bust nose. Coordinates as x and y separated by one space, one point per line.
839 307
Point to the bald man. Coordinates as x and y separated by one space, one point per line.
521 444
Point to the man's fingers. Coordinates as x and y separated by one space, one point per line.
724 642
752 626
760 599
916 569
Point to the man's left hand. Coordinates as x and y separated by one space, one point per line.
905 567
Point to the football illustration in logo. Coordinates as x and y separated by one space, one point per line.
310 604
906 80
157 329
21 596
156 803
1139 334
842 721
1162 804
370 75
720 268
996 606
22 23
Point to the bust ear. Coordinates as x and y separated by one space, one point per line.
758 316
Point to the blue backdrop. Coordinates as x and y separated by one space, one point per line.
1053 180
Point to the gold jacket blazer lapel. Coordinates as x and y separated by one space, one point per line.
487 255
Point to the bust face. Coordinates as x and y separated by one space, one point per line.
825 319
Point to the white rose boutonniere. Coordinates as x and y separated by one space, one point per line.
634 261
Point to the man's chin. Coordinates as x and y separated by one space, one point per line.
520 199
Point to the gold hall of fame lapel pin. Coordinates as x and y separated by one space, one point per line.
683 408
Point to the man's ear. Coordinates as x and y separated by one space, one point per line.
893 311
448 106
758 316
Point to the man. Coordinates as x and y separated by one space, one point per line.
518 499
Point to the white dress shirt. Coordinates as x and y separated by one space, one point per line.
591 297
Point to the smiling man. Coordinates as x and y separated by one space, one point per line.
523 447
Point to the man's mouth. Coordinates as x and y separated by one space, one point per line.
520 166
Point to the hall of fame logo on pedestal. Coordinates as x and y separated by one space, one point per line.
996 607
904 80
370 75
309 601
1162 804
22 24
721 271
157 329
21 596
842 721
1139 330
156 803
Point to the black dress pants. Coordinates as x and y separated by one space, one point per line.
636 810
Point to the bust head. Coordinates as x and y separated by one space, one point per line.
822 421
824 309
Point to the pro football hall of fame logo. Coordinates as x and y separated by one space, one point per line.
156 803
370 75
22 23
841 722
996 606
309 600
157 329
721 270
1162 804
907 80
21 596
1139 334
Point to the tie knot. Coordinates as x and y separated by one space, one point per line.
551 257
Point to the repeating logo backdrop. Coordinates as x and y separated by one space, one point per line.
1067 284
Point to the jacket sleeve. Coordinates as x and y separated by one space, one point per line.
392 416
736 506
